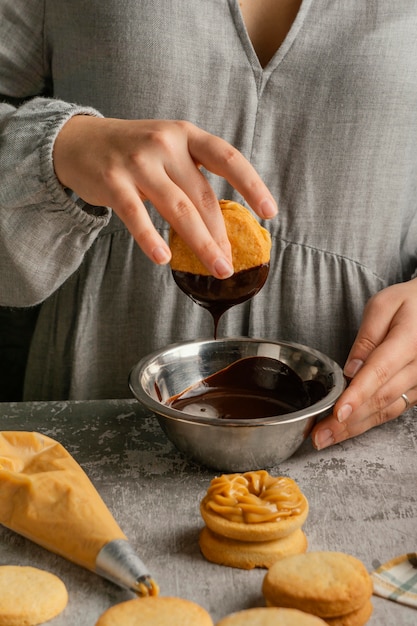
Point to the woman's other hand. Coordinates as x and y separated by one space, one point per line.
382 366
121 163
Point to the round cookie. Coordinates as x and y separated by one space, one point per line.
155 611
29 596
250 242
356 618
271 617
327 584
247 554
253 506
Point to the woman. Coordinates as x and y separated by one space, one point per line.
317 97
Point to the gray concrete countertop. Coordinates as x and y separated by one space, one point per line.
362 495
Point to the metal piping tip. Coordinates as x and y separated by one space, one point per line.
118 562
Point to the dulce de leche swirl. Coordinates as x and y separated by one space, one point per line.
253 506
254 497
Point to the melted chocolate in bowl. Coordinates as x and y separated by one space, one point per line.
216 295
252 387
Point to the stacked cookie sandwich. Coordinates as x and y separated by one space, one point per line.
252 520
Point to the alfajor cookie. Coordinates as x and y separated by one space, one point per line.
250 242
270 617
29 596
252 519
249 554
326 584
156 611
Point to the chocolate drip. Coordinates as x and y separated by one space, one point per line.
216 295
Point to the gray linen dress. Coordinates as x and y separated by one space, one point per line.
330 124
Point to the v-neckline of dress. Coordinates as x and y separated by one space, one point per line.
280 53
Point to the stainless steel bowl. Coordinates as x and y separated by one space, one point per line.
239 444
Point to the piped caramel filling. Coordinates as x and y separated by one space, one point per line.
254 497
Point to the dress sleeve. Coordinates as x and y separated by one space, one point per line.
44 232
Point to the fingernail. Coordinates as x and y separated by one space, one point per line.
223 268
323 439
343 413
268 208
161 255
352 367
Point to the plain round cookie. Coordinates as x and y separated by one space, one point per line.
29 596
155 611
250 242
271 617
327 584
246 554
356 618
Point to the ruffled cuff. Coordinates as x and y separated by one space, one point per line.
83 212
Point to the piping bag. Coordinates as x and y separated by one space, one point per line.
46 497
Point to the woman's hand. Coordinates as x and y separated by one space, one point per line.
121 163
382 365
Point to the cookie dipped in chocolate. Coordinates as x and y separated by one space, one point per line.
251 247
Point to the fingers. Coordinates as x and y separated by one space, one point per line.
178 208
166 171
219 157
383 367
187 221
330 431
186 200
387 371
131 210
374 329
203 198
384 348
